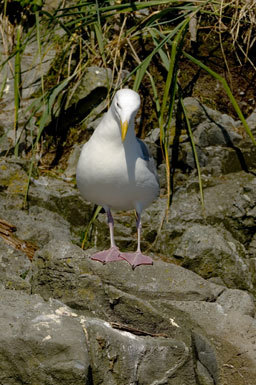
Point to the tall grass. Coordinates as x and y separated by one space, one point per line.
17 79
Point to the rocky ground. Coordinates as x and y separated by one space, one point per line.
187 320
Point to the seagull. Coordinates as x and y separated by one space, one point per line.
116 171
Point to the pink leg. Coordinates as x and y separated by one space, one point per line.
112 254
137 258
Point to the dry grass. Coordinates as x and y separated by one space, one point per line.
238 19
243 24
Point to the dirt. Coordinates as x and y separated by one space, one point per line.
238 72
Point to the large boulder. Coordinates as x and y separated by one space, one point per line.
49 198
123 357
163 300
212 252
40 343
221 142
229 205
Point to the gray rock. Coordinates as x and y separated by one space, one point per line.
217 160
211 252
88 99
14 267
203 376
152 141
206 357
163 298
236 330
237 300
111 292
94 77
229 202
195 111
252 247
52 204
50 5
211 128
221 148
253 269
121 357
13 178
230 208
55 208
212 134
32 225
162 280
40 343
153 136
251 120
60 197
70 171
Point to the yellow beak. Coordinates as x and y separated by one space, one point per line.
124 128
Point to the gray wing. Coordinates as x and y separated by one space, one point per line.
148 158
144 149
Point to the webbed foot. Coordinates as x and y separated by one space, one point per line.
110 255
136 259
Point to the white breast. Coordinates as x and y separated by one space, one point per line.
115 176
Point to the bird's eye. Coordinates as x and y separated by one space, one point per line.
118 105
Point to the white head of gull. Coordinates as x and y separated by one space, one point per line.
116 171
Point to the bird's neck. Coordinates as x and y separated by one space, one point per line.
110 130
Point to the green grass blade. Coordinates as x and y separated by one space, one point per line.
194 152
3 85
155 93
162 54
228 92
46 116
38 38
17 85
155 50
45 119
26 39
169 98
153 85
108 11
17 67
99 34
5 7
141 70
88 227
170 75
